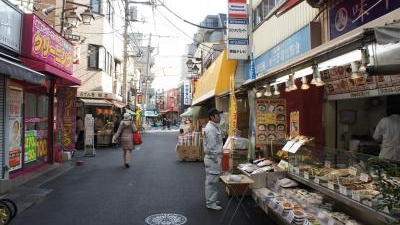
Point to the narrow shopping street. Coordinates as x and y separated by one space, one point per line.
103 192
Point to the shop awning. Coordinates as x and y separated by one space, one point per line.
20 72
117 103
389 33
169 110
188 112
66 78
95 102
215 80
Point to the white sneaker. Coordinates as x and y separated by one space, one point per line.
214 206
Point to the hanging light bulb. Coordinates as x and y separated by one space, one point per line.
288 86
304 85
267 92
317 81
354 70
259 94
292 83
364 61
276 91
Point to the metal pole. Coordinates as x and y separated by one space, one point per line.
147 76
62 18
124 68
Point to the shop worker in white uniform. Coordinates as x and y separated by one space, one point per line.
212 143
388 130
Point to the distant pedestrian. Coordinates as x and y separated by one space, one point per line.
168 124
125 134
80 130
164 123
212 142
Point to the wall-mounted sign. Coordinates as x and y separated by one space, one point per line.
10 27
95 94
237 8
43 43
237 28
348 15
238 49
270 120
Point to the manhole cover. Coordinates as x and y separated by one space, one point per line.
166 219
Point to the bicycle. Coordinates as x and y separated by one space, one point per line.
8 211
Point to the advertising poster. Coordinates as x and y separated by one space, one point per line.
15 126
42 149
30 146
270 120
294 124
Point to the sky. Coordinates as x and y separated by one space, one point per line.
170 34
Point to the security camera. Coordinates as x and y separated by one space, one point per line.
46 11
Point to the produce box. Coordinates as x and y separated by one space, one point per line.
190 152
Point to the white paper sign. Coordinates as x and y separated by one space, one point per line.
288 145
331 185
316 180
306 175
342 190
364 177
295 147
355 195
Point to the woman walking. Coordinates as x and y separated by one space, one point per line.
125 134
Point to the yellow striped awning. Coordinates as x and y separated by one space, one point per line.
215 80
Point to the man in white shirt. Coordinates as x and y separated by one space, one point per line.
212 143
388 129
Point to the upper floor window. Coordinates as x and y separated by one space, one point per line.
104 8
264 10
99 58
96 6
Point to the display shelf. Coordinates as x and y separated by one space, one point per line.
369 214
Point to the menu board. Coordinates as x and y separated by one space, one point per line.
339 85
270 120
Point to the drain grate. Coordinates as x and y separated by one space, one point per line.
166 219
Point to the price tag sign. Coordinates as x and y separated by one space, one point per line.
364 177
306 222
353 171
328 164
288 145
290 216
331 222
343 190
296 170
316 180
271 204
355 195
279 210
331 185
306 175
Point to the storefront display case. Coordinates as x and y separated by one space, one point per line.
349 179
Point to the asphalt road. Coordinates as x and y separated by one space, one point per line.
103 192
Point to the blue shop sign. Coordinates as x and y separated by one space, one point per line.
295 45
348 15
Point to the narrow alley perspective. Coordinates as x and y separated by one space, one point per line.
102 191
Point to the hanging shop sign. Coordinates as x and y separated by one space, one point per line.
270 120
238 49
10 27
233 108
14 146
95 94
237 8
104 111
237 28
187 98
348 15
339 85
43 43
89 130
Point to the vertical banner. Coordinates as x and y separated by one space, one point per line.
14 146
89 130
66 118
187 98
233 108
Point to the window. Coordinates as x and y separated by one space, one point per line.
96 6
99 58
93 56
264 10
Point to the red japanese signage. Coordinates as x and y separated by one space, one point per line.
43 43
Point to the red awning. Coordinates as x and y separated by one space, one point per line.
66 78
117 103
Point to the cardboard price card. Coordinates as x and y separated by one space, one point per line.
270 120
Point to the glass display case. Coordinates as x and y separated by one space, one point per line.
363 186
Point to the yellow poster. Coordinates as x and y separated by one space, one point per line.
233 108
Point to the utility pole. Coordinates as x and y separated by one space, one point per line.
124 68
147 76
